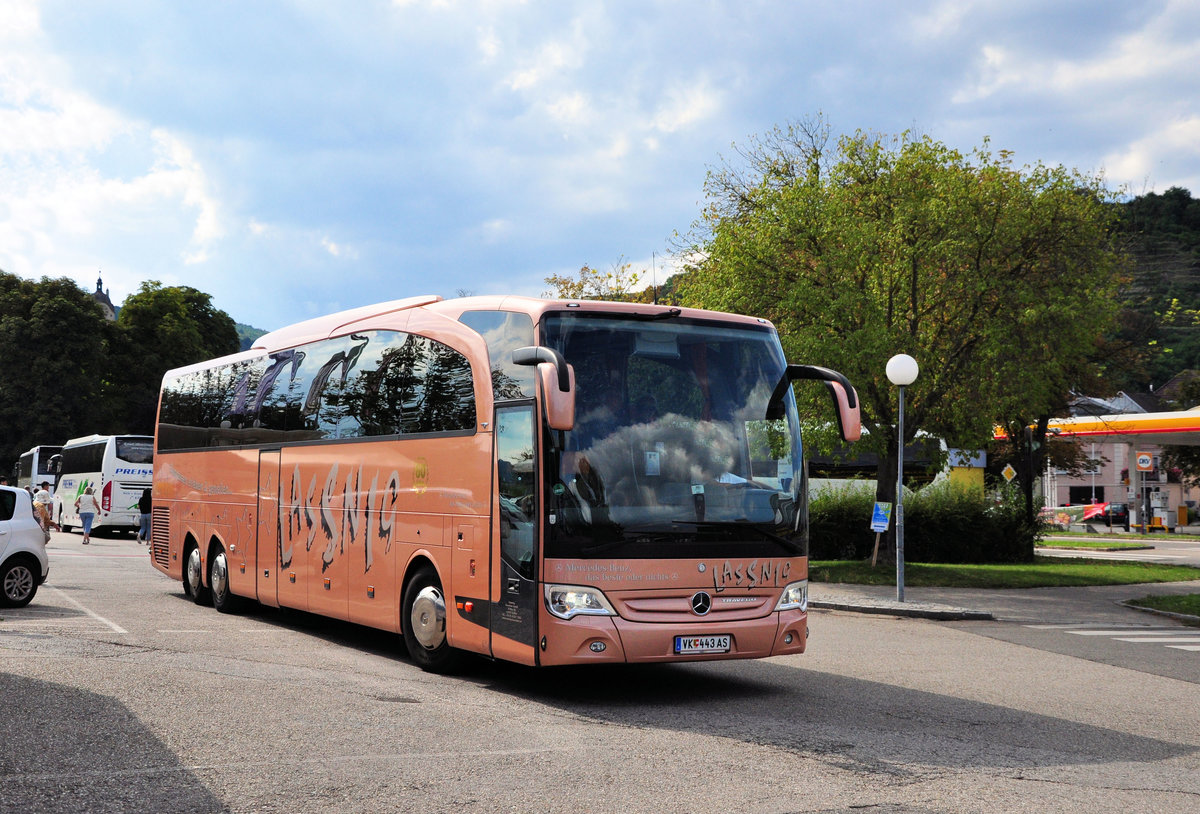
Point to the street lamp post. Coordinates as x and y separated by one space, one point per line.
901 371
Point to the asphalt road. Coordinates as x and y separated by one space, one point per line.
121 695
1161 548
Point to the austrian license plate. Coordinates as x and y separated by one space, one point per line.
687 645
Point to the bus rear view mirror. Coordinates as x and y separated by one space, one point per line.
557 380
845 398
560 405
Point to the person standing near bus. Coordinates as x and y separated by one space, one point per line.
42 502
87 507
145 502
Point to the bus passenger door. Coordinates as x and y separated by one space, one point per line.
267 573
514 594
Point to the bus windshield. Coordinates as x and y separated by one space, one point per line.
672 453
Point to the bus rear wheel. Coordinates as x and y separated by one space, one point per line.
193 585
223 599
424 623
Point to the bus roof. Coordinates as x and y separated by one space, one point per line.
91 439
344 322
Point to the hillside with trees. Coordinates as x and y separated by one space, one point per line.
66 371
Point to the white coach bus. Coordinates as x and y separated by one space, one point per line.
35 466
118 467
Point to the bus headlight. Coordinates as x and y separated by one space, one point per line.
795 597
565 601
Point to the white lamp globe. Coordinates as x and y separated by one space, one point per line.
902 370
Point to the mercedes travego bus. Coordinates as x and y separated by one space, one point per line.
35 466
547 482
118 467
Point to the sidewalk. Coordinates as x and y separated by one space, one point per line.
1100 604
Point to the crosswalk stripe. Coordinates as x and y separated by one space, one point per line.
1193 647
1160 639
1129 631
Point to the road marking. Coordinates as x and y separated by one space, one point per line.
1128 631
1176 638
70 600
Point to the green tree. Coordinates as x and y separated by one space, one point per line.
619 283
161 328
53 346
997 279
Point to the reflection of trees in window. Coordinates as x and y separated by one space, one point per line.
673 388
418 386
276 407
383 383
325 409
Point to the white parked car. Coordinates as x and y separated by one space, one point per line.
23 561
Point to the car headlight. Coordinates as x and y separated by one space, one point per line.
565 601
794 597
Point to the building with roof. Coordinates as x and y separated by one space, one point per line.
100 295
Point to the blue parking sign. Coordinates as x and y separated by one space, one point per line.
882 517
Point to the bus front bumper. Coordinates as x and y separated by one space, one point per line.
608 639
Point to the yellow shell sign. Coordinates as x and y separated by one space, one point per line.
420 476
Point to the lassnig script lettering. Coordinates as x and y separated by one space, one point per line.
750 575
312 518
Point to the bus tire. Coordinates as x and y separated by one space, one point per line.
193 585
223 599
423 621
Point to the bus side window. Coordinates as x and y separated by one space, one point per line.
504 332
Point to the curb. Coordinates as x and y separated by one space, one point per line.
915 611
1185 618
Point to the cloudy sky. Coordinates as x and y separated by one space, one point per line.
296 158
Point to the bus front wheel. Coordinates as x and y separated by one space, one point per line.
424 622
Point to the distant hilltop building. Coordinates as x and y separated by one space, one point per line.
101 296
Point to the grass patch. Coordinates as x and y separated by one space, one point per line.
1043 572
1188 604
1093 545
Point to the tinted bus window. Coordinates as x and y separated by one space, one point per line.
370 384
84 458
504 332
135 450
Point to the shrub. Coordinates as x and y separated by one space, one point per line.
942 523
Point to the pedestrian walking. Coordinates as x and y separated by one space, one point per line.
42 502
87 507
145 502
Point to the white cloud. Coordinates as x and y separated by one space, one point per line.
683 107
1176 143
1156 52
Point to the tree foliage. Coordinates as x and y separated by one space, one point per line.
997 279
160 328
618 283
66 371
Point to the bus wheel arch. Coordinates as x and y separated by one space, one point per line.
423 619
193 571
223 599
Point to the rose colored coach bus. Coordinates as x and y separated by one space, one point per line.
547 482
